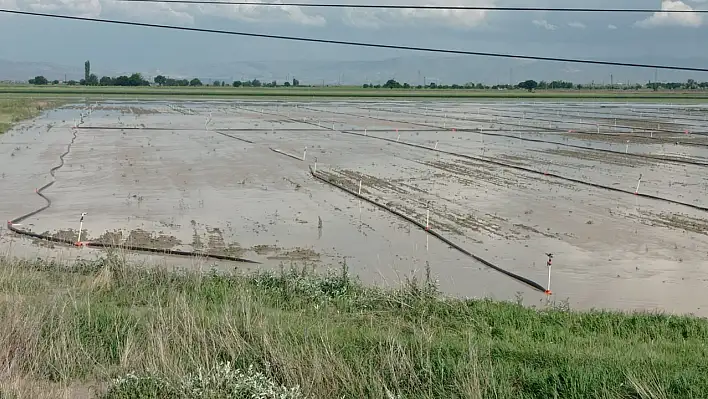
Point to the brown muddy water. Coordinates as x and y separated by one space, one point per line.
160 174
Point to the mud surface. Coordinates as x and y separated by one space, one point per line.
158 174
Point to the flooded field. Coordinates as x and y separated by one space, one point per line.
505 181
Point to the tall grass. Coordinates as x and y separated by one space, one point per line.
13 110
128 331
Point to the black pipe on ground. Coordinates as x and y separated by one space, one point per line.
13 222
521 168
434 233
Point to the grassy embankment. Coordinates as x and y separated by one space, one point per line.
126 332
13 110
349 92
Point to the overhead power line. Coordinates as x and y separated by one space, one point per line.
357 44
419 7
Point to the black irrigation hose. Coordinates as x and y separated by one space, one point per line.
233 137
632 113
662 140
11 224
286 154
528 170
432 232
643 156
658 129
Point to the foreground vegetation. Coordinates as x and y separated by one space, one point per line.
13 110
121 331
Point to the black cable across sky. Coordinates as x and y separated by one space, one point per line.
357 44
417 7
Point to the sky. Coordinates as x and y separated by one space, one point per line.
605 36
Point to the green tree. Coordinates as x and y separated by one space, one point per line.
529 85
216 83
87 70
38 80
296 82
92 80
286 84
392 84
136 79
256 83
106 81
237 83
55 82
195 82
160 80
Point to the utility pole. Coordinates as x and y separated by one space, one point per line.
511 76
612 82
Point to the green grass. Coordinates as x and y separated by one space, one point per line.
162 333
13 110
347 92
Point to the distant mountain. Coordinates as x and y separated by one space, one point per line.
413 70
21 71
447 70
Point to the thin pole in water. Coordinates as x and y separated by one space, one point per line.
304 154
550 260
359 187
81 227
638 183
427 217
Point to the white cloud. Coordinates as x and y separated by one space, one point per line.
688 19
79 8
149 12
577 25
544 24
256 13
611 27
167 13
459 19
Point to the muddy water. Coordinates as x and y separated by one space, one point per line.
194 189
617 170
168 179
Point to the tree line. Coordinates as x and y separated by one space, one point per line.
532 85
136 79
